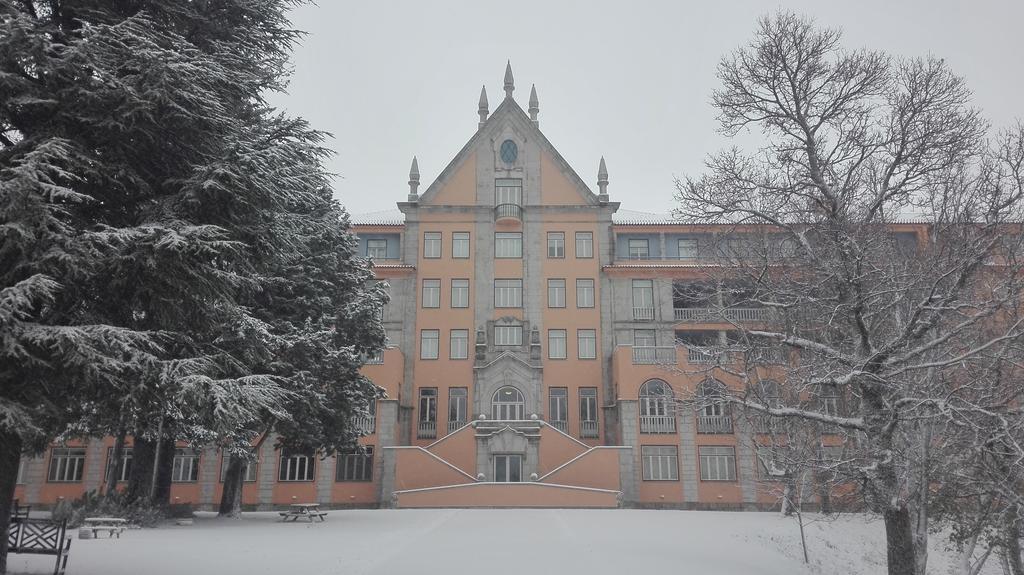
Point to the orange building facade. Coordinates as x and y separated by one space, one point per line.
536 346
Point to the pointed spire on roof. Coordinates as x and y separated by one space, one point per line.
534 104
482 109
510 83
602 182
414 180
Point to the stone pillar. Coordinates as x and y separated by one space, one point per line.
387 477
94 465
209 475
35 477
267 475
384 458
627 476
325 479
688 471
745 458
629 424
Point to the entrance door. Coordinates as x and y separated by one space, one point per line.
508 468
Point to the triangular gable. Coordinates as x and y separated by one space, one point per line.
508 110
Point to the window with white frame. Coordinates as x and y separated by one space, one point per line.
458 405
586 340
556 344
687 248
432 293
639 249
460 293
556 244
643 299
588 406
645 338
584 244
508 244
377 249
66 464
460 245
124 468
508 468
508 191
717 463
428 404
432 245
249 469
185 468
355 464
459 344
428 343
584 293
556 293
660 462
656 399
508 335
508 404
296 466
508 293
558 406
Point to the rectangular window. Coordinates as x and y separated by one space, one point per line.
508 191
584 244
296 466
431 293
508 293
460 245
508 335
585 293
588 412
185 468
459 344
558 407
460 293
556 293
556 244
586 340
355 464
644 338
428 343
432 245
66 464
687 249
638 249
508 468
458 408
248 469
660 462
377 249
428 405
556 344
508 244
717 463
124 470
643 300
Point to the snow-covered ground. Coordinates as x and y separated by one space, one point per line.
492 541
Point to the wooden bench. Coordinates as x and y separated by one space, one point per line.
112 525
40 537
308 510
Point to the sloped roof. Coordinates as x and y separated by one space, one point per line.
392 217
636 218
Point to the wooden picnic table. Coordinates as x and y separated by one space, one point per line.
112 525
307 510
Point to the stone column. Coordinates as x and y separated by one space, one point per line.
94 465
35 477
209 475
325 479
688 471
629 422
267 475
627 476
384 458
745 457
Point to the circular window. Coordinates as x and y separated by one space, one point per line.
509 152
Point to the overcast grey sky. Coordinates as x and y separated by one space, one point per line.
628 80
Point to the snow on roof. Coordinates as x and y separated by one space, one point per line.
636 218
393 217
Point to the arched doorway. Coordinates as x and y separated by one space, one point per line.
508 404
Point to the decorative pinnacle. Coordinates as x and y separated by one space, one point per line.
534 103
414 180
510 83
602 172
602 182
482 109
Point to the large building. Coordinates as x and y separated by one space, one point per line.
538 342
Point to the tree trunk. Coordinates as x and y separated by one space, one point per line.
116 463
1011 543
10 456
899 539
231 497
143 460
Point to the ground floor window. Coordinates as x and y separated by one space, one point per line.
508 468
66 464
660 462
717 463
124 467
248 469
186 466
296 467
355 464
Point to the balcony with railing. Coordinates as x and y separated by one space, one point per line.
715 315
588 429
454 426
708 355
643 314
657 424
764 425
366 424
653 355
427 430
560 425
714 424
512 212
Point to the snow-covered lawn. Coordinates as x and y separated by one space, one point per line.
492 541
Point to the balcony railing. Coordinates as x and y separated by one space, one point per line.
653 355
427 430
375 359
366 424
588 429
707 355
763 424
454 426
710 315
508 211
657 424
714 424
560 426
643 313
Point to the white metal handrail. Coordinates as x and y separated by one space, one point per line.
588 429
709 314
657 424
427 430
652 355
643 313
714 424
454 426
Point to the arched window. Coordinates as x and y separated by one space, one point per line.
768 393
508 404
657 407
712 409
